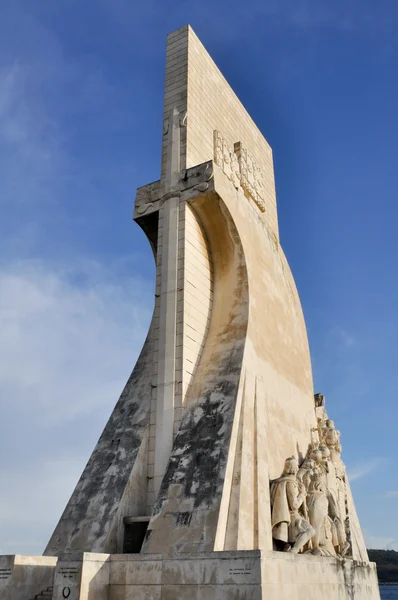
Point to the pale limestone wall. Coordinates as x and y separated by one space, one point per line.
82 576
277 350
95 578
240 576
197 274
176 86
192 487
243 575
68 577
275 413
22 577
249 408
194 84
193 311
154 380
200 577
304 577
250 404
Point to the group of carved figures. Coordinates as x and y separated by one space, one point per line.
309 501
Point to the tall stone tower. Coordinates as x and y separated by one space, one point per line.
176 495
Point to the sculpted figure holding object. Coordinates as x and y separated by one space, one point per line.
290 530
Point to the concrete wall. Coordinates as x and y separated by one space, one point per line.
277 352
240 576
22 577
250 403
198 282
82 576
253 575
187 506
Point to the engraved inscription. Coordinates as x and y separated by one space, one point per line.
240 571
5 573
69 572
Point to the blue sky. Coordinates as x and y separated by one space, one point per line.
80 129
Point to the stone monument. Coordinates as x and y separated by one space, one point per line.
218 474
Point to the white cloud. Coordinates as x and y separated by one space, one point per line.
362 469
69 337
391 494
346 338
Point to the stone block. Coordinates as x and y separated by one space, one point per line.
23 577
135 592
134 572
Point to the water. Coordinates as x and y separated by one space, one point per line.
389 592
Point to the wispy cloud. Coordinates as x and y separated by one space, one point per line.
391 494
347 339
362 469
69 336
30 142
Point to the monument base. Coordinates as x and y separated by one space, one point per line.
25 577
236 575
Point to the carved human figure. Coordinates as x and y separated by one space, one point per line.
330 435
306 472
289 528
318 505
337 500
309 504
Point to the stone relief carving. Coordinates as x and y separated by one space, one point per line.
166 126
309 502
251 176
241 169
226 158
290 528
145 201
193 181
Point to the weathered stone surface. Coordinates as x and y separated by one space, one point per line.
82 576
242 575
22 577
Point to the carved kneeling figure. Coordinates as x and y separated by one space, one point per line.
290 530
